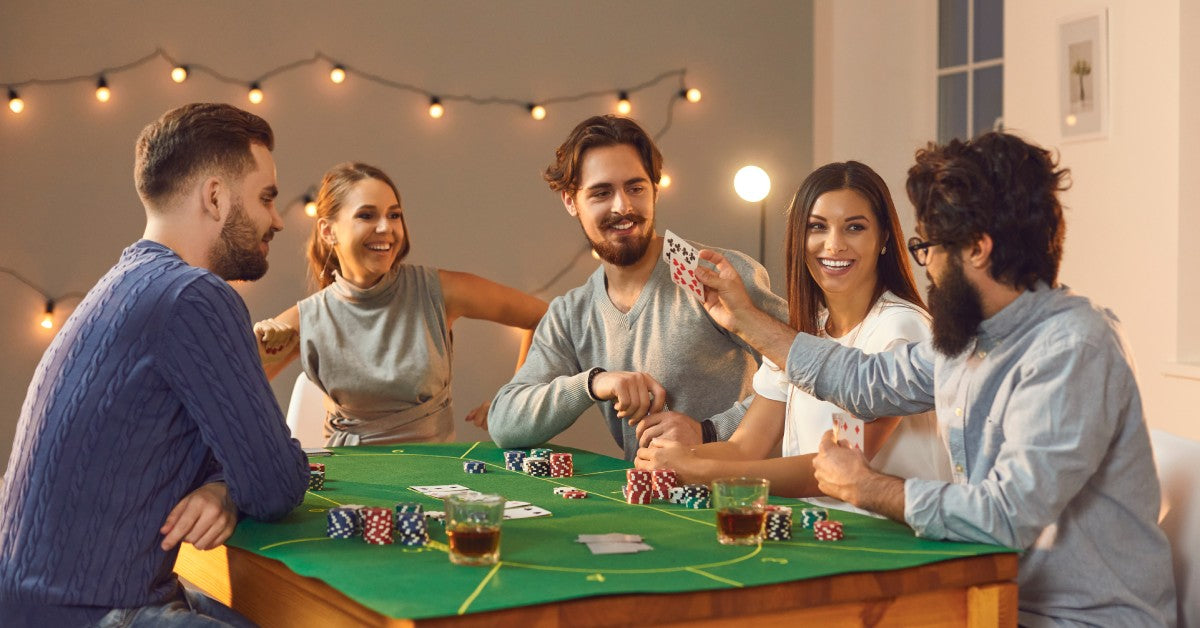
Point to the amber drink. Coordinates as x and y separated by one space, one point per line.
473 528
741 509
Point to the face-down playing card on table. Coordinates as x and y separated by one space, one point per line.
849 428
683 259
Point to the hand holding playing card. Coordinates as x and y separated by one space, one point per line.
849 429
839 471
726 297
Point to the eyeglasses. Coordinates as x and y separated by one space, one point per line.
920 249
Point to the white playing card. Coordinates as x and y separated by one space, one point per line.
514 504
682 258
525 512
618 548
612 537
849 428
440 490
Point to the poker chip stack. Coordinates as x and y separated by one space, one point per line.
697 496
536 466
316 466
513 459
403 508
412 529
561 465
343 522
575 494
473 466
828 530
639 486
316 480
675 495
377 525
664 480
810 516
779 523
540 452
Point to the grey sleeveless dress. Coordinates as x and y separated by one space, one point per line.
382 358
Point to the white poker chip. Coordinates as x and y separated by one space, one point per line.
563 489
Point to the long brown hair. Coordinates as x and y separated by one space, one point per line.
805 298
338 181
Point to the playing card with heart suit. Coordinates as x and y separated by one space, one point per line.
682 259
849 428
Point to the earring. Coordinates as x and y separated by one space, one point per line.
884 251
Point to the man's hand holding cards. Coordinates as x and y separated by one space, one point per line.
850 429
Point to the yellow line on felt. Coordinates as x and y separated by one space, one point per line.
579 475
267 547
469 450
314 494
717 578
471 598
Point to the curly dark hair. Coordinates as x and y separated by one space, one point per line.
606 130
1000 185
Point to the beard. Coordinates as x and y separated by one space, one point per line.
235 256
627 251
956 308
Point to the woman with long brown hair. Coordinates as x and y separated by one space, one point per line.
848 279
375 337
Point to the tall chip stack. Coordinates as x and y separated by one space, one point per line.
411 529
664 480
316 480
828 530
343 522
536 466
779 523
513 459
639 486
561 465
377 525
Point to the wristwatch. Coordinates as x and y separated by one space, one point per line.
591 376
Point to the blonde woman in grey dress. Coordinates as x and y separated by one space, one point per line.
376 337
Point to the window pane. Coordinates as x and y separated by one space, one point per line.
989 29
988 98
952 33
952 107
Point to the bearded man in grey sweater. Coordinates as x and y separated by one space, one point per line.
628 339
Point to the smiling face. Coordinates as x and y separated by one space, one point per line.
614 204
367 232
843 243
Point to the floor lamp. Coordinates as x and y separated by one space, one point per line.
753 185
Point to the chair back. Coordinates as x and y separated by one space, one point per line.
306 413
1176 459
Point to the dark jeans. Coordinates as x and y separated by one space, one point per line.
187 608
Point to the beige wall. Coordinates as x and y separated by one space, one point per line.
1131 215
474 198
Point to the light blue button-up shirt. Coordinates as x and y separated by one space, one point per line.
1048 447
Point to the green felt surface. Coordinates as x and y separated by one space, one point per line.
540 560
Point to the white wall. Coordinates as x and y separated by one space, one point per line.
1130 244
471 181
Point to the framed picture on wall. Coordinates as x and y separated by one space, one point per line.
1083 76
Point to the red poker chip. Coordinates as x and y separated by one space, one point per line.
575 494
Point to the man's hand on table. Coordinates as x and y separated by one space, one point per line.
205 518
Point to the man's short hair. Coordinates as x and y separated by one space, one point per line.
1000 185
606 130
194 140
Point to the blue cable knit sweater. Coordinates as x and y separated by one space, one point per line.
152 388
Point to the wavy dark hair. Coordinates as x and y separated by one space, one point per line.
804 296
606 130
338 181
1000 185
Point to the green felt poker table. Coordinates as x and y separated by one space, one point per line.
290 573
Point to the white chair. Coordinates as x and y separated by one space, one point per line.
306 413
1176 459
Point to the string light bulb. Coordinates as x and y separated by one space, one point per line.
436 110
256 94
103 93
310 206
623 104
15 104
48 317
664 180
179 73
537 112
337 74
691 94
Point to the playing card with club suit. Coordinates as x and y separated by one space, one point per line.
682 258
849 428
524 512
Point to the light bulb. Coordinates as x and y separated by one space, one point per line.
103 93
436 110
538 112
692 95
48 316
752 184
623 104
337 74
179 74
256 93
664 180
14 102
1071 120
310 206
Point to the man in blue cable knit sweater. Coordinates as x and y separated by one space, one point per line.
149 420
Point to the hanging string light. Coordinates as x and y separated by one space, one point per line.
337 74
103 93
48 317
537 112
623 104
179 73
255 94
436 109
664 180
15 104
310 205
690 95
